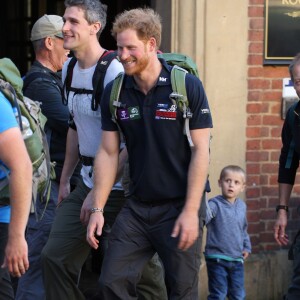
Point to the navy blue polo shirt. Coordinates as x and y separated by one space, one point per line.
159 153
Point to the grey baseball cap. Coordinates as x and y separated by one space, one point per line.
47 25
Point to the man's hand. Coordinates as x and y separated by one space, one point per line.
279 228
16 256
95 226
187 226
86 208
63 192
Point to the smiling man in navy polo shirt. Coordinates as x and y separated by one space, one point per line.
167 176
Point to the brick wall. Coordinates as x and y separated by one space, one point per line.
263 131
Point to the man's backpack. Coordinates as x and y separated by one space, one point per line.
182 65
98 79
24 108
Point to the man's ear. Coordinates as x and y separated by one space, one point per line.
152 44
48 42
95 27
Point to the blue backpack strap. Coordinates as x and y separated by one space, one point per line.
291 119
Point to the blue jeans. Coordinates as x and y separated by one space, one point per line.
6 290
225 279
30 285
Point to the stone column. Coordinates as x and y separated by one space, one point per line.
188 29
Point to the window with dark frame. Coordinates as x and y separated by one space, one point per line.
282 31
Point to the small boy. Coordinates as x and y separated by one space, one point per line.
228 243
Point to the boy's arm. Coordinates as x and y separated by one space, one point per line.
247 242
210 214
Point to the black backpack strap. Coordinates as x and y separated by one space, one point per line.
99 75
97 81
68 80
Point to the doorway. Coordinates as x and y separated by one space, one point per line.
18 16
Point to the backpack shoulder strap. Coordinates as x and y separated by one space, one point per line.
97 81
99 75
291 119
178 84
179 96
68 80
114 102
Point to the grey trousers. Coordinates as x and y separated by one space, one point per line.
67 249
140 230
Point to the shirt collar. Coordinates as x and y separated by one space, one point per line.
163 79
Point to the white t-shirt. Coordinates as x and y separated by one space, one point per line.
88 122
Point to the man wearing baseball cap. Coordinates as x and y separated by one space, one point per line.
48 25
43 83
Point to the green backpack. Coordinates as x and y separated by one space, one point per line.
182 65
27 111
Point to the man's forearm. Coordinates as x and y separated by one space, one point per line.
198 169
197 177
20 197
71 158
105 167
285 191
105 170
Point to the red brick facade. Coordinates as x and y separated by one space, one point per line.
263 137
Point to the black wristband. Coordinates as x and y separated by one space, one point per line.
285 207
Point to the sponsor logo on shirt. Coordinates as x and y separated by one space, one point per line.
165 112
163 79
132 113
205 111
123 114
